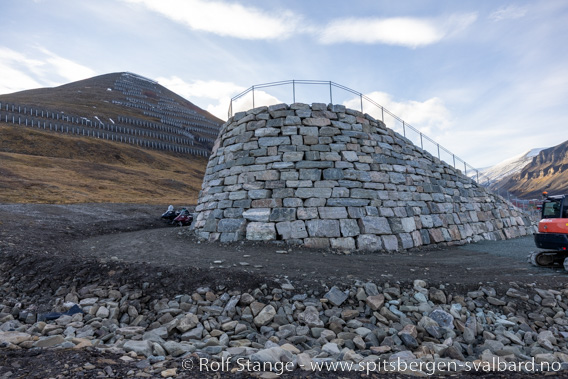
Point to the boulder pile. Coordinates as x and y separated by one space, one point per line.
413 328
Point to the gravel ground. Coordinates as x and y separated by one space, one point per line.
48 246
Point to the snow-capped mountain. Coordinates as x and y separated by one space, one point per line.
547 171
493 174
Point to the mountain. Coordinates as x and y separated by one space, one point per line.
491 175
547 171
112 138
121 107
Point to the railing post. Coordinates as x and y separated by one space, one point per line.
454 156
361 98
253 96
330 94
464 168
403 129
421 142
382 114
293 91
477 171
438 150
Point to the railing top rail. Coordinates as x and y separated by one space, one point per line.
332 84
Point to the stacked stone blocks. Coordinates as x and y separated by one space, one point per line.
329 177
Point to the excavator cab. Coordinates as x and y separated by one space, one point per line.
552 233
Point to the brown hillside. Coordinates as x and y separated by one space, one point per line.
548 171
43 167
91 97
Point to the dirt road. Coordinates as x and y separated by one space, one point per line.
43 247
134 233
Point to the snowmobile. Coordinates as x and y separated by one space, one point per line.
170 214
552 234
184 218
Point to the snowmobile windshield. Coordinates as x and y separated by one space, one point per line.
551 208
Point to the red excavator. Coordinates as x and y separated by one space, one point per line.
552 234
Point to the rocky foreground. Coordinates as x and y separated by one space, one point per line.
413 329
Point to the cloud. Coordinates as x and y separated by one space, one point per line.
409 32
261 98
19 72
226 19
211 89
215 96
428 116
246 22
66 68
510 12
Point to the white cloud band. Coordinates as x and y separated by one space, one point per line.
225 19
238 21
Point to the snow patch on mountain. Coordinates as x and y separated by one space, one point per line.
493 174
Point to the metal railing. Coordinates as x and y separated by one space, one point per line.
390 119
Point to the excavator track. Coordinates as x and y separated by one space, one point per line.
547 259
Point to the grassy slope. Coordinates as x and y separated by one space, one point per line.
43 167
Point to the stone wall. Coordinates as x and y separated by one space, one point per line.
326 176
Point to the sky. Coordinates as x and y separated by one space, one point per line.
487 80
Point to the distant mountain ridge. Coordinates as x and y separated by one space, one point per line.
119 107
546 171
491 175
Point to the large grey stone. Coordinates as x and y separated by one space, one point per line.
272 355
261 231
347 202
273 141
390 242
310 174
443 318
350 156
336 296
310 317
332 174
298 229
314 164
49 341
374 225
193 334
284 230
257 214
283 214
331 348
265 316
293 156
14 337
187 322
305 193
230 225
323 228
345 243
139 347
266 132
332 212
320 121
259 194
349 227
176 349
369 242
